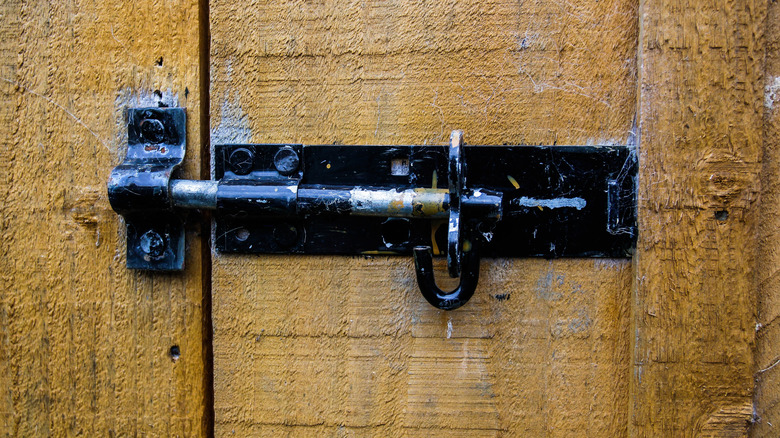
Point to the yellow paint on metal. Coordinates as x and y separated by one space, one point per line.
435 225
428 202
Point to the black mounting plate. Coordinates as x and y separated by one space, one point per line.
138 188
558 201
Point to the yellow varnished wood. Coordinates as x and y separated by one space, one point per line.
313 346
664 345
84 343
767 356
700 112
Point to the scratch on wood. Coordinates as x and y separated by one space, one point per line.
78 120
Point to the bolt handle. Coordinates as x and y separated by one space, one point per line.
461 260
457 181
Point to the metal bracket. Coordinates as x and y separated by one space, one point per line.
138 189
463 201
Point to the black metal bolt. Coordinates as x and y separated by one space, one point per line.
286 161
152 244
153 130
241 161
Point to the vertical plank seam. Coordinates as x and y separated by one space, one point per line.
205 226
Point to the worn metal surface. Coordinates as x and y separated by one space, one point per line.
139 188
456 177
462 250
546 201
187 193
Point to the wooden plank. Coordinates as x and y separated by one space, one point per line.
767 420
700 112
84 343
312 346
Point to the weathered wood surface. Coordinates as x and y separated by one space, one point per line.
700 112
327 346
84 343
767 400
337 345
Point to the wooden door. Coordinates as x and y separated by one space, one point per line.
681 340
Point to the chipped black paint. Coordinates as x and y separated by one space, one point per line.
500 201
138 188
603 177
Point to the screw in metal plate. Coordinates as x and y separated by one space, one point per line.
152 130
286 161
241 161
152 244
242 234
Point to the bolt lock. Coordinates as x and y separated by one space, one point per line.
465 202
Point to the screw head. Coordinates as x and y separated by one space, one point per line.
286 161
242 234
152 244
152 130
241 161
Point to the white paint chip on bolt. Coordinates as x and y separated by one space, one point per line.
578 203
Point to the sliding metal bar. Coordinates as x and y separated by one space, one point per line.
292 200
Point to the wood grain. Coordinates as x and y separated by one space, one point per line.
313 346
700 112
767 400
84 343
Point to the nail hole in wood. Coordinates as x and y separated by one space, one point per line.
175 353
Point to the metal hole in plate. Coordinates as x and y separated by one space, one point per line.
395 232
399 167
